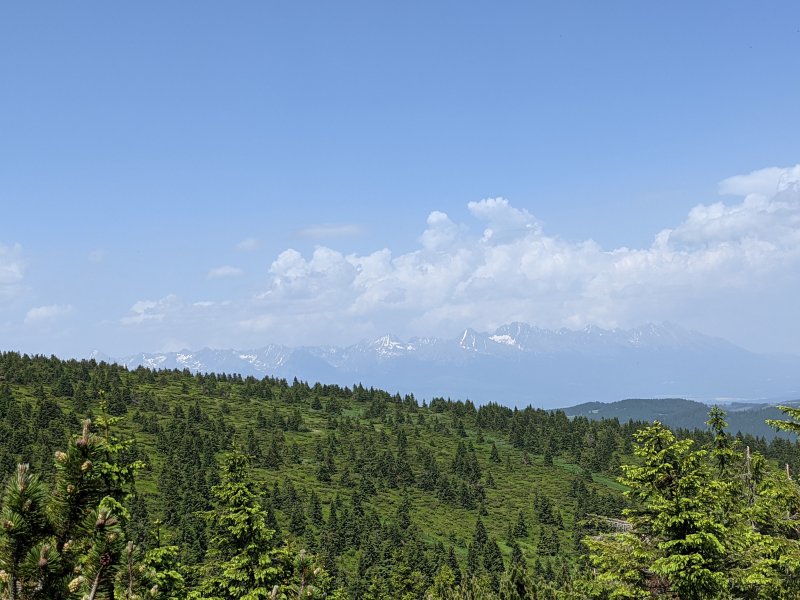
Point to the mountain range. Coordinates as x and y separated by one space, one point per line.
518 364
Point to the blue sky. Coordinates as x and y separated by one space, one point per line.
193 174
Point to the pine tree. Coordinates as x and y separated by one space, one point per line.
315 509
473 559
480 537
493 563
24 526
72 540
722 447
548 542
520 528
699 528
244 558
452 562
495 455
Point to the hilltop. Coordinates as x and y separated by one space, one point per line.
679 413
382 488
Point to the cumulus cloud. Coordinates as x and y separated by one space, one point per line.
146 311
764 182
328 230
47 314
503 219
508 268
740 254
441 232
768 214
225 272
12 270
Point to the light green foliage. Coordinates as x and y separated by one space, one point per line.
793 424
703 525
153 573
245 560
723 449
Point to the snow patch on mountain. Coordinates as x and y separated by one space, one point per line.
517 364
504 339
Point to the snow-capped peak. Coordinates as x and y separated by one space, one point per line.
504 339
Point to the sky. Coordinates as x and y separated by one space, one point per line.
198 174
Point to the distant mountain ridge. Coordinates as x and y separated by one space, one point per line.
518 364
687 414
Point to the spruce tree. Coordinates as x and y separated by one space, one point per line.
493 563
520 528
700 528
245 561
494 456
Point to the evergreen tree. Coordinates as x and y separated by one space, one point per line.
72 540
694 531
479 538
455 569
495 455
520 528
493 563
245 560
25 525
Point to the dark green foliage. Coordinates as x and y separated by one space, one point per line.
495 455
493 562
72 540
549 544
520 527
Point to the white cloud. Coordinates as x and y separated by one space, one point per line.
12 270
502 218
225 272
441 232
723 260
514 270
323 281
249 245
328 230
764 182
145 311
46 314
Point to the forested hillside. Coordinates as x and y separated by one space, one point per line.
329 491
678 413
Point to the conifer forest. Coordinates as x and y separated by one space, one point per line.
163 484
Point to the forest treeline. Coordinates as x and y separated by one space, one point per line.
168 484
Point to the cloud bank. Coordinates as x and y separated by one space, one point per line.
511 269
726 269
